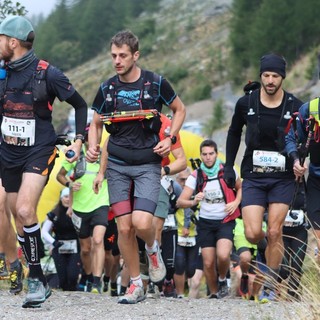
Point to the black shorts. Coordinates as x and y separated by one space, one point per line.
111 238
210 231
263 191
40 163
97 217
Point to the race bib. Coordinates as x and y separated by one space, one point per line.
294 219
186 241
19 132
170 221
76 222
166 184
213 196
69 246
268 161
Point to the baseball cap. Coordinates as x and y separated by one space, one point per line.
16 27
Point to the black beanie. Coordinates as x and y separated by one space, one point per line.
273 63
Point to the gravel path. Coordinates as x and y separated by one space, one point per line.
79 305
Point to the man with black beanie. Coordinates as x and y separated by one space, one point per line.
266 169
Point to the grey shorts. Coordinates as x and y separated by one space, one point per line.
134 187
163 204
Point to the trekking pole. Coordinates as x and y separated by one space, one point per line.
198 161
311 124
193 164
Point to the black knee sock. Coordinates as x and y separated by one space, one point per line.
32 237
22 243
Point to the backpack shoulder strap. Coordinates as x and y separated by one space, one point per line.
151 90
201 180
39 83
109 93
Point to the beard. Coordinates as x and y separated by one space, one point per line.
6 54
271 90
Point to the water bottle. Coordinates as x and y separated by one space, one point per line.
3 74
3 71
70 154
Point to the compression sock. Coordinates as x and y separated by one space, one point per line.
22 243
32 236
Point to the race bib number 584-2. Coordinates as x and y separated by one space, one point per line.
268 161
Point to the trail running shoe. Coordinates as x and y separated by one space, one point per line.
169 289
95 288
133 295
267 295
153 291
105 286
37 293
244 286
223 289
3 269
157 269
88 286
16 279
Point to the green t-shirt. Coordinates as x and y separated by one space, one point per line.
85 200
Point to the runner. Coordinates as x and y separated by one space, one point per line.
217 203
28 148
134 153
266 169
89 213
64 243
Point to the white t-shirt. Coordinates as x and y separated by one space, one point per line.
213 205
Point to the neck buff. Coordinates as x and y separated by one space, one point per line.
23 62
213 171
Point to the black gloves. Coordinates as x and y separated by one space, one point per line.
229 177
57 244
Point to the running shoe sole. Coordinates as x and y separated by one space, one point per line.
125 301
36 304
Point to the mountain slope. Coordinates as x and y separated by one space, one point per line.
191 37
190 48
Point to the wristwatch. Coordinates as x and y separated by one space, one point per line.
79 137
173 139
166 170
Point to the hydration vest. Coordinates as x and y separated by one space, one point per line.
38 87
228 193
149 99
252 137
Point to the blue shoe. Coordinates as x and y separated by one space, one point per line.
37 293
267 295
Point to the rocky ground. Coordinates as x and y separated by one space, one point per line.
80 305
